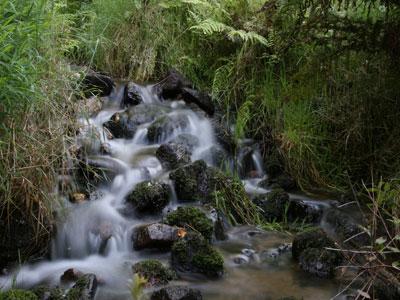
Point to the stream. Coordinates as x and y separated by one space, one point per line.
95 235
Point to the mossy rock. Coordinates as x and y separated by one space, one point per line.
315 238
154 272
15 294
191 218
150 196
273 204
176 293
195 255
173 155
319 262
165 125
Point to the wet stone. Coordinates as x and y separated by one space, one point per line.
315 238
188 140
154 272
319 262
176 293
70 275
97 84
165 126
84 289
132 95
159 236
173 155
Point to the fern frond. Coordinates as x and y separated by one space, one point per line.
209 27
247 36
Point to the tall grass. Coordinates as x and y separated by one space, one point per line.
35 91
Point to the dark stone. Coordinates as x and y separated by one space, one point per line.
316 238
277 206
70 275
154 272
15 294
176 293
283 180
191 218
159 236
217 156
201 99
221 226
195 255
173 155
346 227
171 86
132 95
319 262
84 289
164 126
125 124
97 84
150 196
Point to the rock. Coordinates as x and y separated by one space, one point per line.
150 196
121 126
15 294
97 84
283 180
191 218
92 171
188 140
217 156
171 86
160 236
201 99
78 198
47 293
246 161
70 275
221 226
173 155
274 204
319 262
124 124
176 293
193 182
346 227
132 95
163 127
154 272
277 206
316 238
84 289
195 255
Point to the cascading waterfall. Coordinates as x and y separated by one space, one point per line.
95 236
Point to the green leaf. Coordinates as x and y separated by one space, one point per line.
381 240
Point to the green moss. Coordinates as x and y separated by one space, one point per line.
150 196
154 272
16 294
195 254
191 218
315 238
43 292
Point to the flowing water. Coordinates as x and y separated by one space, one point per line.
95 236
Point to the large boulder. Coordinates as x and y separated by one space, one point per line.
156 235
176 293
132 95
84 289
173 155
194 254
154 272
191 218
163 127
97 84
150 196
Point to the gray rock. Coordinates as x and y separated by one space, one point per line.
84 289
163 127
132 95
160 236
